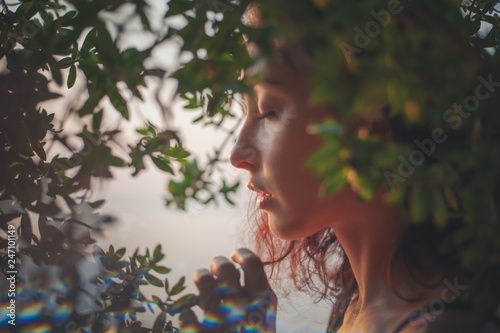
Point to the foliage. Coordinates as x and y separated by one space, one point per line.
44 44
422 65
432 67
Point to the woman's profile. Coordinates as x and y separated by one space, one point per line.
384 274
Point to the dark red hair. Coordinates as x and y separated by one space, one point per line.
318 262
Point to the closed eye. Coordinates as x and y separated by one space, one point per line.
271 115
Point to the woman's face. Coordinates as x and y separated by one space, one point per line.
273 147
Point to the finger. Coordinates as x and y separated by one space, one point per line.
227 274
189 322
206 284
255 276
261 309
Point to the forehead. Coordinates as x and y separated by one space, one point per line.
266 74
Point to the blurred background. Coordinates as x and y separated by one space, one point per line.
60 168
191 239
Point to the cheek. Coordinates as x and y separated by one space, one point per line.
296 185
293 147
266 138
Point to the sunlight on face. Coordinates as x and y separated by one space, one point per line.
273 147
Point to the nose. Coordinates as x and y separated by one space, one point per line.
244 155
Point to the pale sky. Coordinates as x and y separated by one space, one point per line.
190 239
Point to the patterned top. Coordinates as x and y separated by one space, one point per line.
429 313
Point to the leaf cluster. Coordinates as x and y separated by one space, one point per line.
418 69
422 66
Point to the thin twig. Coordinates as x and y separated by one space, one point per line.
222 146
5 6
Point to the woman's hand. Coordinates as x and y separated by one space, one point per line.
229 306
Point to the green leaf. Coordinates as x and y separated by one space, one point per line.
142 131
153 280
95 97
120 252
23 9
114 161
119 103
96 120
38 148
162 164
178 288
144 20
333 183
71 76
178 7
159 324
157 250
419 205
185 302
161 269
451 198
98 252
55 71
154 72
197 119
151 128
89 41
178 153
65 62
439 209
228 200
166 284
328 127
68 17
96 204
103 41
74 51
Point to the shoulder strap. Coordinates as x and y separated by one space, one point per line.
411 318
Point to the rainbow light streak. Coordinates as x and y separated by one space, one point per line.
177 308
225 291
233 312
37 328
29 313
4 311
212 320
63 311
191 328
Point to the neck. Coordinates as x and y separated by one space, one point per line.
370 243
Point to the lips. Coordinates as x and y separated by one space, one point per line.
265 200
262 193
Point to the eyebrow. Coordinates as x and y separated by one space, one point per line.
271 82
267 81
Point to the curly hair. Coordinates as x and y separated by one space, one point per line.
319 263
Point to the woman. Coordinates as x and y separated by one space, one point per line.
387 276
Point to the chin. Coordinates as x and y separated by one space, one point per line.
286 229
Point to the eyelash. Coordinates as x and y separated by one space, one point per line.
271 115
